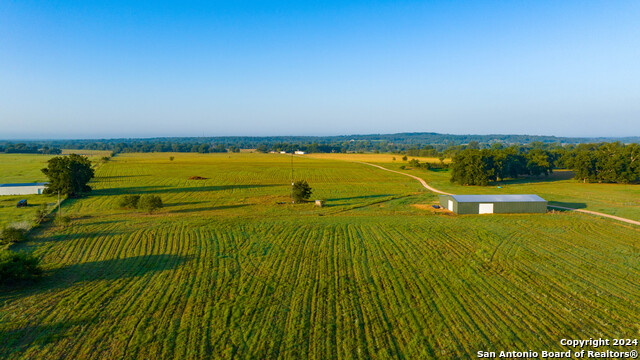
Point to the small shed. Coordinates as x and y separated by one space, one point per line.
298 152
493 204
22 189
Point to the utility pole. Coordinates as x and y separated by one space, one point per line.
59 210
292 177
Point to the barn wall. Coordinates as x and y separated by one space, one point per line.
520 207
506 207
20 190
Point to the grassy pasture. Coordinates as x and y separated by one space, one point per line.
559 188
225 272
26 168
21 168
376 158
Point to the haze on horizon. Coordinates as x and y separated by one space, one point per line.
259 68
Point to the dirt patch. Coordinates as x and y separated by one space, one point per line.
197 178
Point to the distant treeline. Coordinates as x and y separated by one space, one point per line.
603 162
22 148
412 144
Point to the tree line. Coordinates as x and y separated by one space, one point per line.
603 162
411 144
22 148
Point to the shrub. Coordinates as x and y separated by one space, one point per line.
171 158
63 221
16 266
129 201
12 235
41 214
301 191
150 203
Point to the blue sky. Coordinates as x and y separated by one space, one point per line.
101 69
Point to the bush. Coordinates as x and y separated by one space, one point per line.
12 235
41 214
129 201
301 191
18 266
171 158
150 203
63 221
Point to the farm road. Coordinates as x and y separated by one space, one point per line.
598 214
429 187
424 183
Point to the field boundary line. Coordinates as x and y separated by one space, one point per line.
629 221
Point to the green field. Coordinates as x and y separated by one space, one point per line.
22 168
26 168
224 271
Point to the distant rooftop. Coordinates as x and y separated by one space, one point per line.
498 198
24 184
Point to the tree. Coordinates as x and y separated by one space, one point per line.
473 167
301 191
68 175
129 201
16 266
11 235
171 158
150 203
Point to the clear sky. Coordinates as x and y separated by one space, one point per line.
101 69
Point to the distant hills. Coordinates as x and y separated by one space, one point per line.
342 143
398 138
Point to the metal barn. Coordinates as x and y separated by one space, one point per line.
493 204
22 189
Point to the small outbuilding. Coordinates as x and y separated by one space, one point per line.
493 204
22 189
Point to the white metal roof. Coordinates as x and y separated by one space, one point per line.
24 184
498 198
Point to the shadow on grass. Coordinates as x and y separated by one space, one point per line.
208 208
85 272
571 205
183 203
555 176
164 189
15 341
120 176
345 200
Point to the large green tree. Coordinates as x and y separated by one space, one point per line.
301 191
68 175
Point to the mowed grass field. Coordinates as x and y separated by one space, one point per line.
21 168
26 168
224 271
560 188
375 158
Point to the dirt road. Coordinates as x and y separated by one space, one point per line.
430 188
